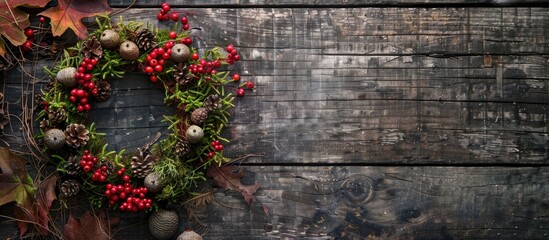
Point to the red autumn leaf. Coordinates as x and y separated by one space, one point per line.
89 227
69 14
39 212
227 178
13 20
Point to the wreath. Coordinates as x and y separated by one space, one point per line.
163 171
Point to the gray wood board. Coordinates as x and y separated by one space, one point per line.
328 3
380 203
366 85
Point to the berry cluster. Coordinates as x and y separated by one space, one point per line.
218 147
156 60
132 198
165 15
100 175
87 161
84 77
204 67
27 45
233 54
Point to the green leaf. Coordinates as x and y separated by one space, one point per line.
15 183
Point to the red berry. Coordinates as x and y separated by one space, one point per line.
195 56
122 195
250 85
175 17
153 78
229 48
95 91
88 77
91 85
93 61
27 46
153 54
240 92
86 152
158 68
184 20
102 178
126 178
42 19
186 26
148 58
73 99
166 56
169 45
80 93
234 52
229 61
149 69
165 17
83 100
187 41
160 51
87 168
89 66
29 32
160 16
162 62
236 77
236 57
211 154
81 70
172 35
166 8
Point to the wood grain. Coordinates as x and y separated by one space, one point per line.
383 203
329 3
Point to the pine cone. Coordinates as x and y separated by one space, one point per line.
45 124
199 116
104 90
91 48
58 115
181 75
73 166
3 120
145 40
182 147
77 135
143 160
212 103
70 188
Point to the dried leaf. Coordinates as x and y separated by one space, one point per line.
227 178
39 213
89 227
15 183
69 14
13 20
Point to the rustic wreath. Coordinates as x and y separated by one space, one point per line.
162 171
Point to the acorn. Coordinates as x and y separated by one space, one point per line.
54 139
129 51
189 235
180 53
194 134
163 224
109 39
66 77
153 182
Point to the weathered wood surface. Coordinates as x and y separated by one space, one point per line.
384 203
329 3
344 88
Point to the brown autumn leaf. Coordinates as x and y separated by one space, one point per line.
89 227
229 179
39 212
15 183
69 14
13 21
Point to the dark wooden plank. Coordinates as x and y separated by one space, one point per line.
382 101
388 203
327 3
